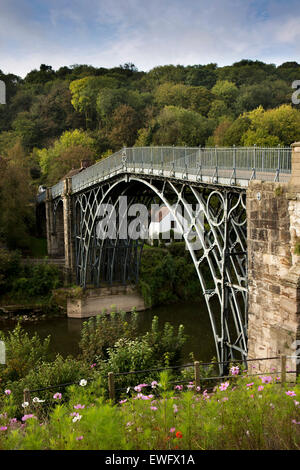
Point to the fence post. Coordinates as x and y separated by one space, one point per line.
283 368
26 395
111 386
197 373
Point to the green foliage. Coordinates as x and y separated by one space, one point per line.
103 331
168 274
9 269
22 354
239 417
38 280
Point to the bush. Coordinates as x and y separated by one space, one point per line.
22 354
38 280
103 331
50 374
9 269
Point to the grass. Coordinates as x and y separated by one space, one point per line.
244 414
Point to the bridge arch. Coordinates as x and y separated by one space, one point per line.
219 226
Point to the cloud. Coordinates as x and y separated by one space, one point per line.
148 33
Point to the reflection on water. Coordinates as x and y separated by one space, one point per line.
65 332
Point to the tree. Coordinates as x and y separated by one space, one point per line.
178 126
272 127
16 196
54 161
125 125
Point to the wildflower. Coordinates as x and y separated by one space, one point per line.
224 386
37 400
7 392
79 407
82 382
250 384
225 399
128 389
272 406
79 438
154 384
260 388
172 430
129 424
190 386
175 408
122 401
234 370
295 422
266 380
25 404
13 420
57 396
153 408
93 365
26 417
178 387
290 393
3 428
296 403
77 417
179 435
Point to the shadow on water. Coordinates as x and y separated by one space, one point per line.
65 332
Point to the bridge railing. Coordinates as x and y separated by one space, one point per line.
243 162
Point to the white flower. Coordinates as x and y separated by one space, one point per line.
37 400
83 382
127 391
76 418
25 404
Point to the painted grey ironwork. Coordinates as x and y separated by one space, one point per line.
211 179
227 165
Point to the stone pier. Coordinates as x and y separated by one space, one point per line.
273 238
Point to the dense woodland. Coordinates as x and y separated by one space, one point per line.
54 119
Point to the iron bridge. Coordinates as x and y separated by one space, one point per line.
209 186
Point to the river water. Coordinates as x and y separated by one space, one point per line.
65 332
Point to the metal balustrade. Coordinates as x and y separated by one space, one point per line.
225 165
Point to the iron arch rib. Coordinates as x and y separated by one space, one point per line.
214 233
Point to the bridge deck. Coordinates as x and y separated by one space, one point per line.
224 166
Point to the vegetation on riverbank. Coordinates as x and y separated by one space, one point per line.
242 414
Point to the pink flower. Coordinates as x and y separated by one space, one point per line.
172 430
290 393
79 438
122 401
266 380
154 384
190 386
93 365
234 370
224 386
295 422
153 408
13 420
7 392
178 387
26 417
260 388
57 396
79 407
3 428
250 385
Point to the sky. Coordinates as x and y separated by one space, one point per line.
107 33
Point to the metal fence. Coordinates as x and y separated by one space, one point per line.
244 163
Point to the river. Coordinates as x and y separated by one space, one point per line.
65 332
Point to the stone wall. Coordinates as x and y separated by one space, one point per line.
273 217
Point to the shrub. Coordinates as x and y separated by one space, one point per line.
22 354
103 331
9 269
38 280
